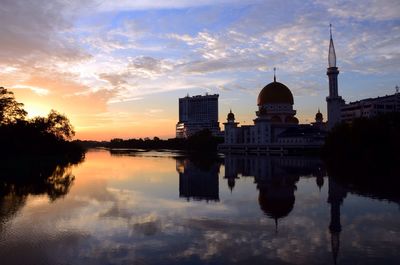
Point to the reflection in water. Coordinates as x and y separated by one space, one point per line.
336 194
198 181
19 179
126 210
275 177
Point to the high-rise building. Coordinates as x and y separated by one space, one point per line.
197 113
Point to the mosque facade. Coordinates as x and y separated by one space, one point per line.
276 128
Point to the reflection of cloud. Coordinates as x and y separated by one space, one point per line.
148 225
115 215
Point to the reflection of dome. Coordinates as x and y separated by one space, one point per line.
275 92
276 203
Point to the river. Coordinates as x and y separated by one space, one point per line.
166 208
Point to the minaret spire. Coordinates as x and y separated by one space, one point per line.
334 100
274 74
332 53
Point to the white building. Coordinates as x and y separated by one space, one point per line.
197 113
370 107
275 127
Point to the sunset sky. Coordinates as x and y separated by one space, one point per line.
117 68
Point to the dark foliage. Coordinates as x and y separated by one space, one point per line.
365 155
10 110
375 141
39 136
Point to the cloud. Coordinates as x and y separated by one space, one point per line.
38 90
162 4
32 29
363 10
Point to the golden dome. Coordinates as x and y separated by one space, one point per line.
275 93
290 119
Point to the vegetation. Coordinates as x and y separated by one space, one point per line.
367 149
202 141
19 136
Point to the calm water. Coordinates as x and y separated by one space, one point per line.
162 208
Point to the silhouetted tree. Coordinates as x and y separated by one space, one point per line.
10 110
39 136
366 147
55 124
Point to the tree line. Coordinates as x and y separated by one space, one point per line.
366 147
202 141
20 136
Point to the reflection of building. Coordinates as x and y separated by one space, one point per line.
336 194
275 177
197 113
197 182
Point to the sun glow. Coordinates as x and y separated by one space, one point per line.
35 110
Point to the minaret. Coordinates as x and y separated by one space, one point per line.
334 101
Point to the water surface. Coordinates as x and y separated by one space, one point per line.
164 208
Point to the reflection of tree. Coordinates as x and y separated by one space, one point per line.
19 179
357 179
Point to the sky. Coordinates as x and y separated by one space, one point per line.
117 68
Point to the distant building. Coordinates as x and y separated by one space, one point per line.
197 113
370 107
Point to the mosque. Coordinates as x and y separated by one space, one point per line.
276 128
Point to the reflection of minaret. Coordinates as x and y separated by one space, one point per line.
334 101
336 194
196 181
320 182
231 171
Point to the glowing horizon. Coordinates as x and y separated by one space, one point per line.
118 69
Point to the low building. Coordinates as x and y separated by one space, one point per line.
370 107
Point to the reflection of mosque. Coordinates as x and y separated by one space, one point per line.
276 179
198 181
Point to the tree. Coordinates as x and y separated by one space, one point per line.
11 111
56 124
